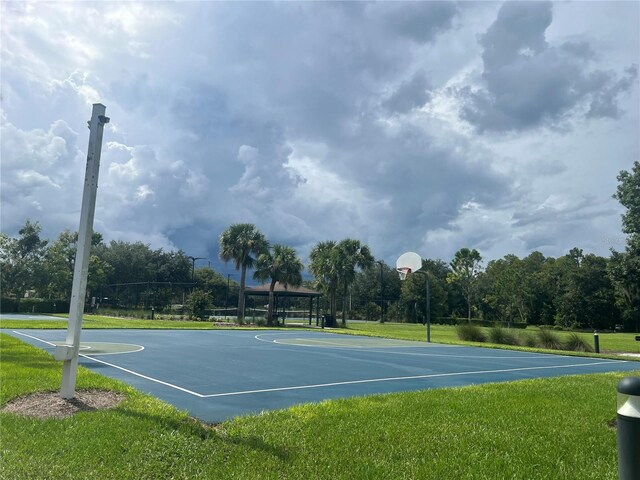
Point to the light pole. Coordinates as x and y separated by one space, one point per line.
193 267
428 303
226 300
380 262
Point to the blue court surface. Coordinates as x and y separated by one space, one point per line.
219 374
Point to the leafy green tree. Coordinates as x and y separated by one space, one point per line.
169 276
540 308
242 243
280 265
371 311
508 288
58 265
197 304
215 284
131 262
414 290
443 296
628 194
133 267
624 272
59 261
624 267
466 267
585 297
366 286
21 260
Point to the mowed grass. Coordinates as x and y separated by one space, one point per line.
609 342
98 321
534 429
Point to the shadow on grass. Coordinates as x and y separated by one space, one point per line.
194 427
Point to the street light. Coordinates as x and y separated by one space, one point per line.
226 301
428 303
380 262
193 266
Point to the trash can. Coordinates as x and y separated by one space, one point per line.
629 428
329 321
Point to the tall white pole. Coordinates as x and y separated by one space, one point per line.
69 352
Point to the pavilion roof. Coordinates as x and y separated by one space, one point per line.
280 290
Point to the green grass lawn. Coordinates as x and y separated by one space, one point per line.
609 342
533 429
98 321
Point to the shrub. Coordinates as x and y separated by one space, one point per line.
470 333
528 341
505 337
577 344
548 339
34 305
197 304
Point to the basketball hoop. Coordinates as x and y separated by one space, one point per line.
403 271
407 263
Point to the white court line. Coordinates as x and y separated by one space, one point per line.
415 344
546 356
328 344
322 343
140 348
119 368
35 338
146 377
390 379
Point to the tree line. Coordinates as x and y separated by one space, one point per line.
576 290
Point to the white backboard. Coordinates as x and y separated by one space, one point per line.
409 260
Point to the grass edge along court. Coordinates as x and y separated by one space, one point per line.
550 428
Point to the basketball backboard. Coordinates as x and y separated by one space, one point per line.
408 262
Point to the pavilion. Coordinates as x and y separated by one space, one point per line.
282 293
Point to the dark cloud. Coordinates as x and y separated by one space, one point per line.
312 120
411 94
416 21
527 82
605 101
558 210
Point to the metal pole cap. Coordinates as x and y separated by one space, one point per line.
629 386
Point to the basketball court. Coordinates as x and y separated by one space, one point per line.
219 374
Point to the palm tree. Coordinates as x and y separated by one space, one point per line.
334 264
324 267
351 255
280 265
242 243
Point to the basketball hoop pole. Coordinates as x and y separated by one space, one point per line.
380 262
69 351
411 262
428 303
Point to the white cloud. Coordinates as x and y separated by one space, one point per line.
29 179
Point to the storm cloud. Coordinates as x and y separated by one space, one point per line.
528 82
423 126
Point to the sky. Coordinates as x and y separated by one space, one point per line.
410 126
